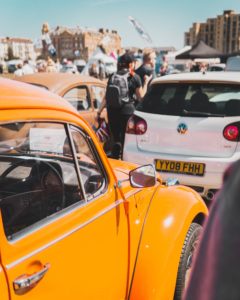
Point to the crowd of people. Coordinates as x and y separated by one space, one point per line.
125 89
98 70
42 65
139 70
22 67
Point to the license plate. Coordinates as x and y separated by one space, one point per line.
180 167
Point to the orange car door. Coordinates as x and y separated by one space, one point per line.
79 249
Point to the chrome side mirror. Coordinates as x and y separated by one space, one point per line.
144 176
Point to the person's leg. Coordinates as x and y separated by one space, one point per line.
123 124
123 119
114 125
114 122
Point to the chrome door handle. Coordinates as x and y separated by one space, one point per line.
26 282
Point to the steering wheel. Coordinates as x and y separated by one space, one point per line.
50 178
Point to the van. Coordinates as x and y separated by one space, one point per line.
233 64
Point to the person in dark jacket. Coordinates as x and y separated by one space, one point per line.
118 118
148 66
216 268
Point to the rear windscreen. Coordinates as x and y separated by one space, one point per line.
192 99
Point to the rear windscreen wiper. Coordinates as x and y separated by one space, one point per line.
200 114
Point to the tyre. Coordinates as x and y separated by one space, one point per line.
185 264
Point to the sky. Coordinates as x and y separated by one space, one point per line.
165 21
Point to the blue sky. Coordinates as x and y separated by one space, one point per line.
165 21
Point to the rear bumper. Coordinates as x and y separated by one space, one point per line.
214 167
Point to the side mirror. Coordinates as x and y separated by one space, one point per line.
144 176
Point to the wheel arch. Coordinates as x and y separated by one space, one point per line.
199 219
171 212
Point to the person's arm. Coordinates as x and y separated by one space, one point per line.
141 91
103 103
101 107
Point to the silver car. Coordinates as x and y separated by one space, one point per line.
188 125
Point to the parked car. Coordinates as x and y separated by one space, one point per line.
85 93
233 64
217 67
69 68
12 65
176 67
188 125
110 64
76 225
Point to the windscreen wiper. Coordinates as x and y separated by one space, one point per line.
200 114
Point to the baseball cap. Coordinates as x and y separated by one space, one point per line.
126 58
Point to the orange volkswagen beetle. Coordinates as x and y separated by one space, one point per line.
77 225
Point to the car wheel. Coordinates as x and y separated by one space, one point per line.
185 265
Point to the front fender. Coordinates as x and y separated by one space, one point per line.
3 285
170 214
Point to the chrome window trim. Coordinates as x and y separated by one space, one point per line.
98 161
132 193
44 222
80 226
69 134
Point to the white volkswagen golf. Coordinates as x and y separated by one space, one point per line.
188 125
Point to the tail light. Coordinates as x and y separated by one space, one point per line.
136 125
231 132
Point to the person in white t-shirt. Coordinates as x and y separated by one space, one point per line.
27 69
19 70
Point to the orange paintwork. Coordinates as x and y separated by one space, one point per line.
3 285
125 244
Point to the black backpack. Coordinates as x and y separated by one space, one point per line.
117 93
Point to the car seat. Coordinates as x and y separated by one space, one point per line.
200 102
175 106
232 107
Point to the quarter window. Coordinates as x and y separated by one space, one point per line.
79 98
98 95
92 175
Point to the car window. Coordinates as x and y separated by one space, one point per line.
98 95
38 175
92 175
216 68
233 64
79 98
211 99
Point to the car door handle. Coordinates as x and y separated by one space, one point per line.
25 282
